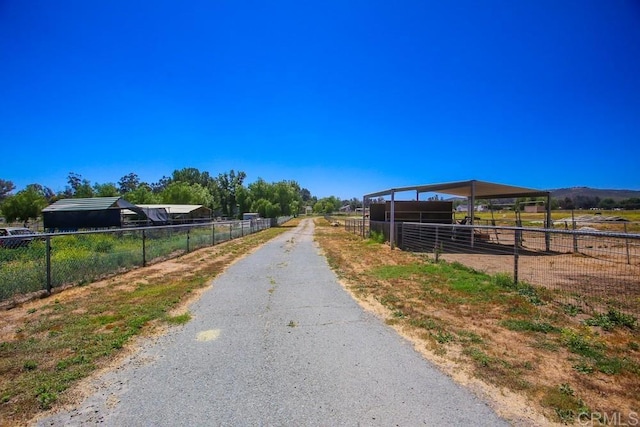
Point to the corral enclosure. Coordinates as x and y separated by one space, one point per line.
431 212
585 268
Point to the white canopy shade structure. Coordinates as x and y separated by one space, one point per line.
472 189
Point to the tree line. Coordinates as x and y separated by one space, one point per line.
225 194
586 202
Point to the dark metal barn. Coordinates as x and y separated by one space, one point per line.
94 212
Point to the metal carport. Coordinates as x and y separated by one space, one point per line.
472 190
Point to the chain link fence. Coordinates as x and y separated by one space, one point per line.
594 271
52 260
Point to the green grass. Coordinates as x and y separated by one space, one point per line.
612 319
463 284
595 355
522 325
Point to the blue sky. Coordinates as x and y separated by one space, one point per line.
345 97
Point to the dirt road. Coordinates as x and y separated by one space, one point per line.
277 341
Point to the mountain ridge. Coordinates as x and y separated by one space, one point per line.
572 192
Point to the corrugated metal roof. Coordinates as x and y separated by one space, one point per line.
480 189
176 209
171 209
88 204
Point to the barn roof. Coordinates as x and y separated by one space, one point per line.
471 188
88 204
71 208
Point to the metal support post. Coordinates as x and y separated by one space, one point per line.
48 262
144 249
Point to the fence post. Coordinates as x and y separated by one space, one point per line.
144 248
575 236
188 237
48 262
231 231
516 255
213 234
242 229
626 241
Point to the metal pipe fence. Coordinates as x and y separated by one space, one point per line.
594 271
53 260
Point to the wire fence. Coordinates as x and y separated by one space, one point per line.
594 271
52 260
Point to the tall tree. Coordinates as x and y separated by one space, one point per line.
305 195
143 195
105 190
46 192
158 187
128 183
192 176
227 187
183 193
243 199
6 187
77 187
327 205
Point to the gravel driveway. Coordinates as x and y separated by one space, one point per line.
277 341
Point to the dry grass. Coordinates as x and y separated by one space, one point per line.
541 363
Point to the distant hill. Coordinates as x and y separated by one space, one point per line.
616 195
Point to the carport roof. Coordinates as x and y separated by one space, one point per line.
472 188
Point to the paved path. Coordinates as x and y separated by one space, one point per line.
278 342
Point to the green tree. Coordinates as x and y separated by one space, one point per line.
105 190
192 176
77 187
353 203
305 195
158 187
143 195
25 204
287 196
46 192
226 189
327 205
189 194
266 209
607 203
243 199
128 183
631 203
566 203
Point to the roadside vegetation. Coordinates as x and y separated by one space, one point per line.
46 346
83 258
568 365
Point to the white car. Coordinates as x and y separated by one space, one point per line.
15 237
